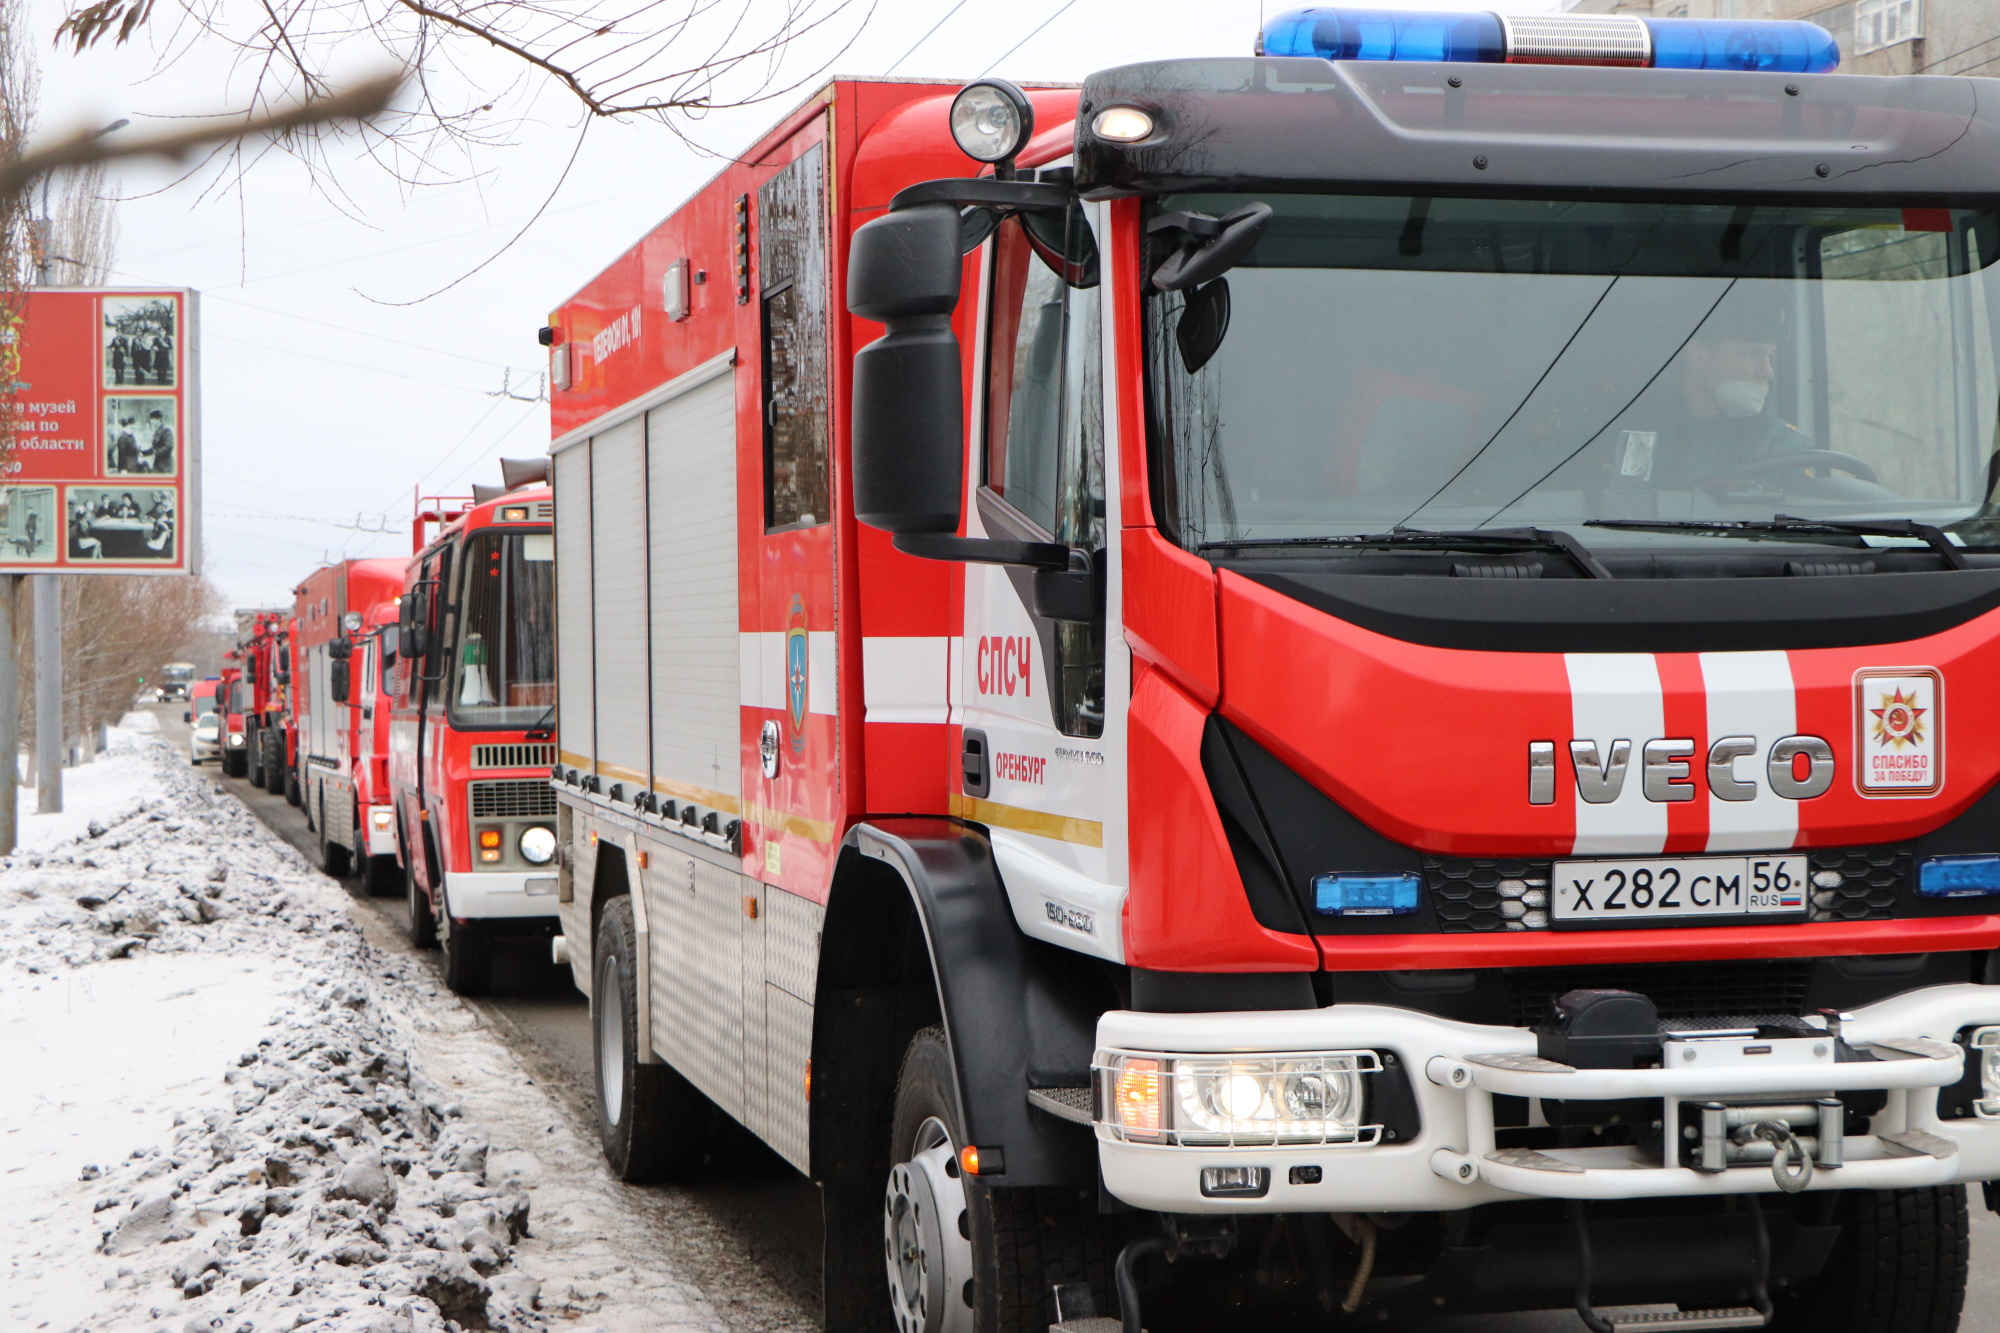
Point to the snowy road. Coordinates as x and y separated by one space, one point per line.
748 1243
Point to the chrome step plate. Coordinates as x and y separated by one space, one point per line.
1740 1316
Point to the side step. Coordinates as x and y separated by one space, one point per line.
1738 1316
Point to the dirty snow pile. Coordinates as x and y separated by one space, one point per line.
207 1122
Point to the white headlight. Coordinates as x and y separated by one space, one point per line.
1122 124
991 121
537 845
1244 1100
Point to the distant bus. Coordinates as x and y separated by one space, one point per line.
175 677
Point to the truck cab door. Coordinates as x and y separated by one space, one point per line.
1039 702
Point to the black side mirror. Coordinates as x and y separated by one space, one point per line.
340 675
415 632
1209 247
903 271
1075 594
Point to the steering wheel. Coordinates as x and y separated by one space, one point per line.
1820 462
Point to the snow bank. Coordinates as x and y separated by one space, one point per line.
210 1124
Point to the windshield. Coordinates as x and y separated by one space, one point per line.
177 675
504 667
1459 363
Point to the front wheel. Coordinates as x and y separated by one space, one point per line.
234 763
1898 1267
468 953
292 792
963 1256
384 877
653 1123
422 919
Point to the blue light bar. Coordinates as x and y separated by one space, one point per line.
1754 46
1745 45
1366 895
1958 876
1385 34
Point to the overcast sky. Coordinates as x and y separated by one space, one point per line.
322 406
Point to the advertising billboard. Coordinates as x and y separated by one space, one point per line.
104 475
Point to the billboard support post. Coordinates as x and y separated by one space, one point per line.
10 715
48 692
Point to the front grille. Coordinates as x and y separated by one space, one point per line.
1738 988
1872 880
513 756
522 798
1474 895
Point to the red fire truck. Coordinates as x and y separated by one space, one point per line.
265 655
1389 705
290 724
341 719
473 736
234 695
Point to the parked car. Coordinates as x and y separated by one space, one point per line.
207 740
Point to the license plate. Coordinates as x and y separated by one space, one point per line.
1670 889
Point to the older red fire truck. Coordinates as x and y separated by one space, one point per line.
1388 706
340 718
265 655
472 740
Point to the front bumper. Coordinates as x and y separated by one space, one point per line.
1456 1069
478 895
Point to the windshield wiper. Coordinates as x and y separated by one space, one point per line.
540 731
1474 539
1785 524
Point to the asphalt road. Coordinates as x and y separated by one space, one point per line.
752 1228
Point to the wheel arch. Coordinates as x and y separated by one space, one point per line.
918 931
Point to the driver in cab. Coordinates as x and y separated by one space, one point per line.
1710 420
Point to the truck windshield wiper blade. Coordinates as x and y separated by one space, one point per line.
1473 539
1784 524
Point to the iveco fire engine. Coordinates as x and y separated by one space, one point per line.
1391 700
472 739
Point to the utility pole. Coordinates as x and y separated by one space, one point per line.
48 604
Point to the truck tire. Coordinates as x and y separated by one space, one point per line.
334 860
653 1123
468 954
235 763
253 758
384 877
422 920
1003 1251
292 792
1898 1267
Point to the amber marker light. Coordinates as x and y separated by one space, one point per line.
1136 1096
968 1159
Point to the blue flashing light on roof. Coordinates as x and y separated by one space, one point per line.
1745 45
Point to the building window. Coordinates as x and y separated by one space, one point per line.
1880 23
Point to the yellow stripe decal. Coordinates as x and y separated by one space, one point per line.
783 821
573 760
1062 828
622 774
682 791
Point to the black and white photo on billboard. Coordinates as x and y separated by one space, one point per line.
28 525
141 336
122 523
139 437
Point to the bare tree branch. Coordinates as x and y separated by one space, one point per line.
84 148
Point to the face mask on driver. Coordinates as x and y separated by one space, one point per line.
1741 398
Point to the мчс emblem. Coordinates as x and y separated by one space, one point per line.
1898 731
798 670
